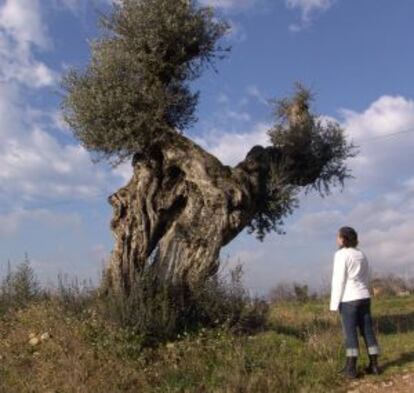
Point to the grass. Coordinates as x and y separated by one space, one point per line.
300 350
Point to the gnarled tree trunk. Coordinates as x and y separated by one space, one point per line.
179 208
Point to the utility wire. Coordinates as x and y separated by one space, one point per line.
379 137
107 193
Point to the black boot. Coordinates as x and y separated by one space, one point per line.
373 367
350 369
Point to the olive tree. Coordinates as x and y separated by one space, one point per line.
133 101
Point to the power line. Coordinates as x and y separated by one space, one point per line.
378 137
107 193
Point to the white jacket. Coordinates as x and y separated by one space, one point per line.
350 278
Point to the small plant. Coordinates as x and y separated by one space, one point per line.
301 292
225 301
74 296
151 309
160 311
285 292
19 287
390 285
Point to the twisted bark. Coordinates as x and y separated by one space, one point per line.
179 208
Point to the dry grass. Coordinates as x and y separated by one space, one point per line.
89 355
299 351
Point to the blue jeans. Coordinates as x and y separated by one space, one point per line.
357 314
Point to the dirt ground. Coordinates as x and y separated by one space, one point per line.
400 383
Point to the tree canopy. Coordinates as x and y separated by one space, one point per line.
135 95
308 152
135 89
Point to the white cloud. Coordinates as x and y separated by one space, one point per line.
124 171
383 161
379 202
33 164
40 167
385 225
307 8
21 19
79 6
231 148
386 115
21 29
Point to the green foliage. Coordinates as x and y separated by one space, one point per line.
159 311
307 153
313 150
301 292
135 90
300 350
135 93
151 309
74 296
224 301
292 292
278 201
19 287
391 285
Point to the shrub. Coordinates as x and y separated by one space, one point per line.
301 292
159 311
19 287
291 292
281 292
151 308
225 301
75 296
389 285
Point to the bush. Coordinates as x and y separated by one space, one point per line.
291 292
151 309
19 287
75 296
389 285
301 292
226 302
160 311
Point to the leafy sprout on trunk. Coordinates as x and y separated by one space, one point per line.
307 153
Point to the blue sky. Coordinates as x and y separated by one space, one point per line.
358 58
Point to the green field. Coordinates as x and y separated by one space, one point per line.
299 351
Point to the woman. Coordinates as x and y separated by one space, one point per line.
351 297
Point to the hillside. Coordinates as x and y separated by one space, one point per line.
299 351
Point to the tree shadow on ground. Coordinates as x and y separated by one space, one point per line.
392 324
404 358
383 324
287 330
302 332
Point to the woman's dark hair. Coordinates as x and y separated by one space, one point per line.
349 236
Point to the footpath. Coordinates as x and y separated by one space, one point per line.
399 383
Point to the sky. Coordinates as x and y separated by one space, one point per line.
357 57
